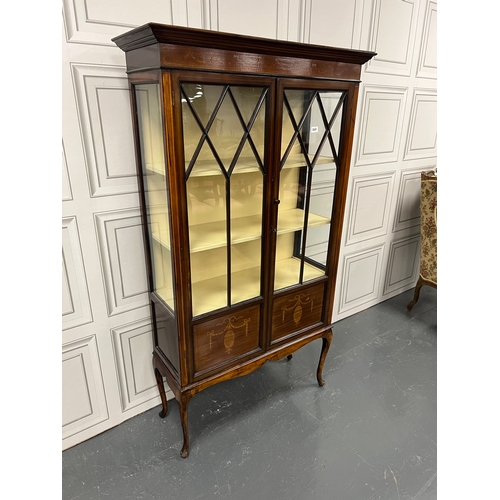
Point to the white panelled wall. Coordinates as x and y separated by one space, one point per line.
107 342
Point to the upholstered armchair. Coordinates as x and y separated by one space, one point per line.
428 234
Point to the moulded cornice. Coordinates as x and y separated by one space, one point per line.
153 33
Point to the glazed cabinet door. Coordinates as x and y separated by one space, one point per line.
224 155
312 121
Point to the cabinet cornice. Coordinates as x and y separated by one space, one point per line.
152 33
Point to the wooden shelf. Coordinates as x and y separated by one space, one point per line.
162 238
167 295
287 273
297 160
157 168
211 294
213 234
206 168
293 220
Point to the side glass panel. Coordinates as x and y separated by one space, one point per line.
155 188
223 133
308 168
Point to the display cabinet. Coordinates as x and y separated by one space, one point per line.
243 147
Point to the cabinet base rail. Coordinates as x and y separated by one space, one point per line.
184 395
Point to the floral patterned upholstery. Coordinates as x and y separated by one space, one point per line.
428 234
428 226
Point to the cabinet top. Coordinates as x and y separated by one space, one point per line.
154 33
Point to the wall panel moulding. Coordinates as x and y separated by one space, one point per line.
421 141
103 103
132 344
76 308
402 268
369 207
394 25
83 396
381 125
408 202
427 64
122 256
95 22
360 278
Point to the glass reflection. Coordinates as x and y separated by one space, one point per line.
309 158
155 187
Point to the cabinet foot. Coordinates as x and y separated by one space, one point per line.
327 340
289 357
161 390
183 407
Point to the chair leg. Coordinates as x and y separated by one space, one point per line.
420 283
416 294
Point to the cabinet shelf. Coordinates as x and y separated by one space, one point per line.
213 234
157 168
293 220
297 160
166 294
162 237
287 271
211 294
207 168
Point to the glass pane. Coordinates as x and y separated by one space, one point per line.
327 106
246 231
155 187
201 111
291 219
294 121
324 142
202 99
207 240
320 212
248 101
168 340
191 129
209 280
225 128
309 155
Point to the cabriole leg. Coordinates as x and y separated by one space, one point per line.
327 340
161 390
183 409
416 294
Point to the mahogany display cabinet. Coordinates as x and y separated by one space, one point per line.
243 147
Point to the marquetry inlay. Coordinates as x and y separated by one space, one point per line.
231 324
297 307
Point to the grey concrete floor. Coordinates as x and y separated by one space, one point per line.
368 434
